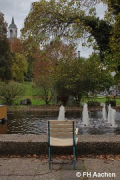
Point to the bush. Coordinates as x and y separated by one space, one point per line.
112 102
93 103
10 92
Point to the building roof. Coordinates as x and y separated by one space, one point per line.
12 25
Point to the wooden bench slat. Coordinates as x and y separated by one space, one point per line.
64 129
65 135
61 125
61 122
61 129
62 142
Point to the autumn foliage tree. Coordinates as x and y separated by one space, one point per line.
46 69
19 63
43 78
16 46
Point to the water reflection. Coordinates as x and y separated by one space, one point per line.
35 122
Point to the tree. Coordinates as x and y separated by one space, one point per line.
113 18
101 78
69 20
19 67
5 53
31 53
16 46
82 76
10 92
3 27
44 88
43 78
46 69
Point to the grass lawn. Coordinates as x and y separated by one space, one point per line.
102 99
30 93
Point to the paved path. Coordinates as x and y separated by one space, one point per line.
37 169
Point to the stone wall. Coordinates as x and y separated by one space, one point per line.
37 144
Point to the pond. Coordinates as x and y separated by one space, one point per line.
34 122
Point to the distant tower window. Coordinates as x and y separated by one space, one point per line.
11 33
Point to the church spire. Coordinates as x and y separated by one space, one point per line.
12 20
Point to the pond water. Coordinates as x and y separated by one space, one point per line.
35 122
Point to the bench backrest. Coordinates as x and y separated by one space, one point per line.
61 129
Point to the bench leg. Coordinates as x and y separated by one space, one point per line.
49 158
74 156
76 152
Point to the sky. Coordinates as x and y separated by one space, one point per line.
19 9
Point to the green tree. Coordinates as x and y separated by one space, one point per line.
31 52
80 76
19 67
113 17
68 19
5 53
100 78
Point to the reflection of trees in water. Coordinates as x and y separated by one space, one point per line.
95 114
73 114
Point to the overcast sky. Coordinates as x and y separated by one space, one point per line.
19 9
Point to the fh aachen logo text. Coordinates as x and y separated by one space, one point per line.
96 174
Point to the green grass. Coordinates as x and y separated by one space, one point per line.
30 93
37 101
118 102
28 88
101 99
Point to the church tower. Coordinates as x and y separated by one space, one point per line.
12 30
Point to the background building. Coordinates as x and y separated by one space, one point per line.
12 30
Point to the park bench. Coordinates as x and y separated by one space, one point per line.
61 134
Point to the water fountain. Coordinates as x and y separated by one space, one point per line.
111 116
104 114
85 115
61 115
113 112
100 125
109 113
